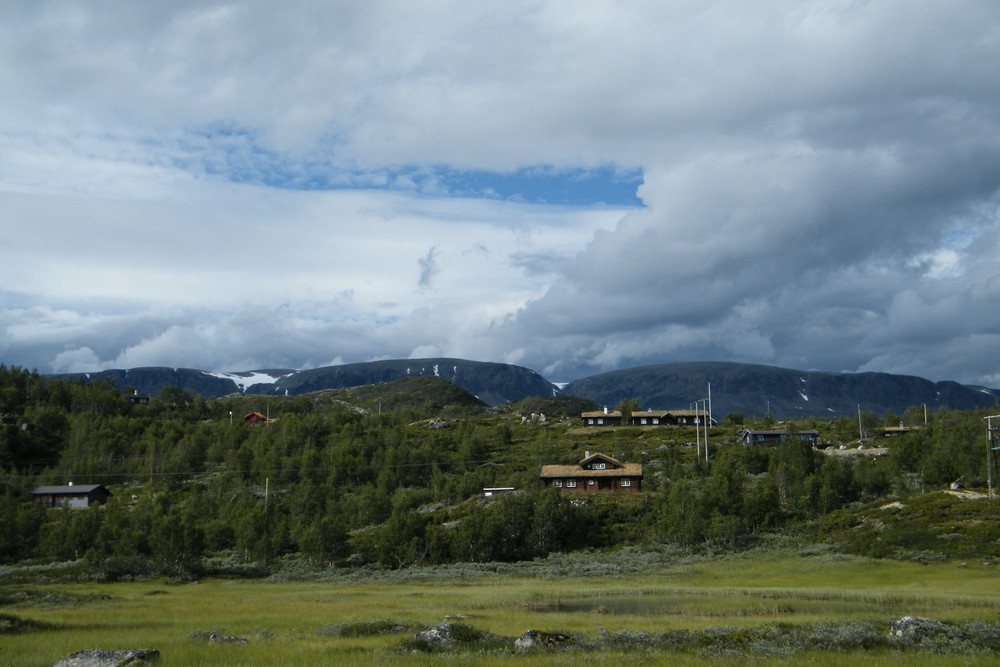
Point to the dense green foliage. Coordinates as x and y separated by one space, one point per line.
392 475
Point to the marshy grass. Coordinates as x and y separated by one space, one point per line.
685 610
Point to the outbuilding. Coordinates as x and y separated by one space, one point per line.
71 495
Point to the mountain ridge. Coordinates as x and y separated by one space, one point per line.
752 389
755 389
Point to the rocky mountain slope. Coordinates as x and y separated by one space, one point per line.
747 388
753 390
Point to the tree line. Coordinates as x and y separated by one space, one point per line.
338 485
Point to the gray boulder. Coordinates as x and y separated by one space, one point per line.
917 628
437 636
103 658
537 638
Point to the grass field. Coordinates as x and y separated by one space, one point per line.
303 622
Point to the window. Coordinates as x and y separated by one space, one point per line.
626 482
571 483
599 466
558 483
590 482
643 420
656 420
590 421
600 421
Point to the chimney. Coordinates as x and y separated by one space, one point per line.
71 483
605 409
586 454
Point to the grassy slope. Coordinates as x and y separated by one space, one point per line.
934 526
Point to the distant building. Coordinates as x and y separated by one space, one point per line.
490 491
593 474
254 418
137 398
893 431
602 418
647 418
765 437
81 495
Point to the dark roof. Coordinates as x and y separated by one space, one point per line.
69 488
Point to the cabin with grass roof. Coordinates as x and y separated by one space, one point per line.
595 473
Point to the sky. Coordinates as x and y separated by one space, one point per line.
572 187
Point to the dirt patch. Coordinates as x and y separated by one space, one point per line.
967 495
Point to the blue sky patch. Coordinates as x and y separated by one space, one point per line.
236 154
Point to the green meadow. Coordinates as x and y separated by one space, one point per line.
756 606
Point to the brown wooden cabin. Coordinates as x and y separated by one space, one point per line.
594 474
254 418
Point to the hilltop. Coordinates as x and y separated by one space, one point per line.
749 389
756 390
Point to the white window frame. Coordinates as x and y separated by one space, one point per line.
558 483
590 482
570 483
626 482
599 466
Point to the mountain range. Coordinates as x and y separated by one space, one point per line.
748 388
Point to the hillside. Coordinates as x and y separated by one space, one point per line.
491 383
754 389
747 388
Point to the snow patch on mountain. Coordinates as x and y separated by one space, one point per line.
248 379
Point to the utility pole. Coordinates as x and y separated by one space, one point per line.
710 401
697 432
991 432
707 419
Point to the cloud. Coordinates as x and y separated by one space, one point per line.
428 268
232 185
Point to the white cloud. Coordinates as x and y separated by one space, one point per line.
821 181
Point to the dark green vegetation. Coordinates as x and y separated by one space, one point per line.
390 476
756 390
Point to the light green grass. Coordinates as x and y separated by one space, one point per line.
283 620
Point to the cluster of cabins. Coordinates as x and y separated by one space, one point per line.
646 418
594 473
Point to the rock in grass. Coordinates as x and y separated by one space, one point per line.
97 657
916 628
538 638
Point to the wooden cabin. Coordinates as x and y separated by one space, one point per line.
70 495
594 474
